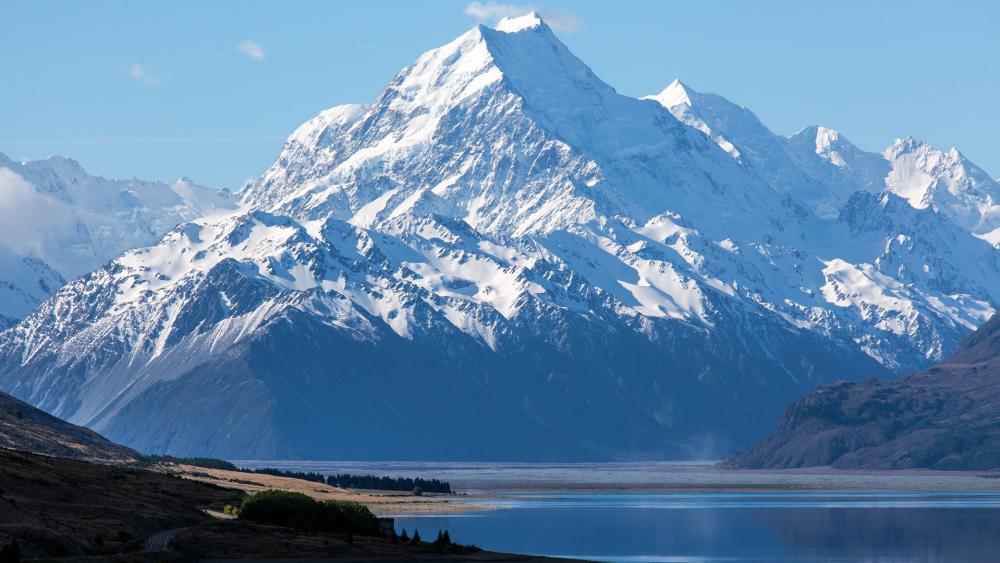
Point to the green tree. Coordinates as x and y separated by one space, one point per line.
416 537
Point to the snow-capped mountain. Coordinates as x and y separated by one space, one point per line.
823 169
741 134
58 222
946 182
503 258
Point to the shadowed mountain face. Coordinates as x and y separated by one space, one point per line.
23 427
947 417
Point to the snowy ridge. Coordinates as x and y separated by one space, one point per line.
502 236
823 169
60 222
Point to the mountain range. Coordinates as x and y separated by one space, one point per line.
502 257
57 222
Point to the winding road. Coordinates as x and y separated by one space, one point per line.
160 541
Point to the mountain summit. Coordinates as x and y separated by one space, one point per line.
503 258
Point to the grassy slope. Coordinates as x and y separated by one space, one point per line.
23 427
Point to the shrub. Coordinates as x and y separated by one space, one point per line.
297 510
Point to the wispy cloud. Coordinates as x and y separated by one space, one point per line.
559 20
142 73
252 50
492 11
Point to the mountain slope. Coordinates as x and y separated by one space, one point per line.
499 236
941 418
25 428
741 134
58 222
823 169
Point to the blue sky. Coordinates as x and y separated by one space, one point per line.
210 89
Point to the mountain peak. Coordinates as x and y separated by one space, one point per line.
826 140
906 144
676 93
531 20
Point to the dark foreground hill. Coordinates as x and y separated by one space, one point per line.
947 417
23 427
62 508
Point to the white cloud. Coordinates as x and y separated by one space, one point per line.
559 20
493 10
142 73
253 50
28 217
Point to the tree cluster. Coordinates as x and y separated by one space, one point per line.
374 482
297 510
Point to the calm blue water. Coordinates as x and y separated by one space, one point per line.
629 527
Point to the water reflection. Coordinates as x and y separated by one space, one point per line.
748 527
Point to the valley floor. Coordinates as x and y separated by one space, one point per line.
381 503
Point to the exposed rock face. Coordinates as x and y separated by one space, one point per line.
947 417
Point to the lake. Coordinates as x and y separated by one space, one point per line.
573 510
644 527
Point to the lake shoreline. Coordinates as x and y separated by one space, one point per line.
478 479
